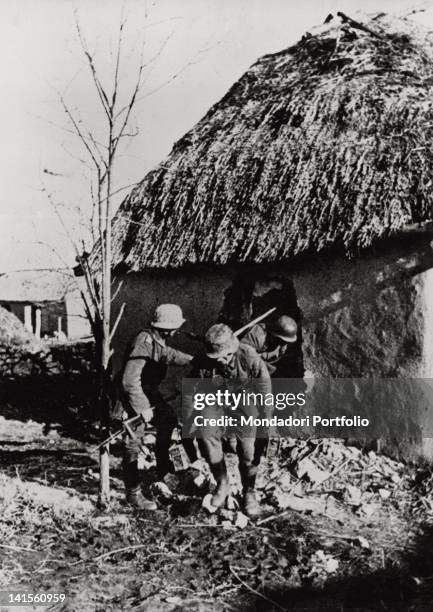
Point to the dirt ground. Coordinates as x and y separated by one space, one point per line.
332 557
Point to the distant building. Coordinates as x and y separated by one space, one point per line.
47 302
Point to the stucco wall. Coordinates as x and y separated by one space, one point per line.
362 317
199 293
366 317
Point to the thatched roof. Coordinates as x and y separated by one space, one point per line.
36 286
325 144
14 334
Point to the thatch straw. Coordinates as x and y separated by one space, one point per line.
14 334
327 143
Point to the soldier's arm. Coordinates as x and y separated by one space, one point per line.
188 411
172 356
254 338
262 383
131 380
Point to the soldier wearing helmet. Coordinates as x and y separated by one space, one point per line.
276 343
145 369
235 365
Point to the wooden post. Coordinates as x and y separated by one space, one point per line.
28 318
38 318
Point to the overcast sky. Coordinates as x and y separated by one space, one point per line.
207 45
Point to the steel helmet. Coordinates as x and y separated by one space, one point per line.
285 328
220 341
167 316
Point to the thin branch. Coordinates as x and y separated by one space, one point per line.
116 191
130 135
117 290
117 321
132 100
80 259
143 65
63 128
79 132
116 72
101 92
89 313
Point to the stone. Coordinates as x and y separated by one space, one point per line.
160 489
241 520
352 495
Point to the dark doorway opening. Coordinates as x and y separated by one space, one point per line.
251 295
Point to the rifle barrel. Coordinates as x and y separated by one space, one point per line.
254 321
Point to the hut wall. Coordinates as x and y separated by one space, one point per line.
370 317
362 317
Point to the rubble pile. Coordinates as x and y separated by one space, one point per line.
326 476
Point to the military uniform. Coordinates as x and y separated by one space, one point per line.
145 368
284 360
246 368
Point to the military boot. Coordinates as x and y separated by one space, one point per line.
131 478
135 498
219 472
250 503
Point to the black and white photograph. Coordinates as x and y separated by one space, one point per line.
216 306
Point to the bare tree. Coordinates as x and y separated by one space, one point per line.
100 157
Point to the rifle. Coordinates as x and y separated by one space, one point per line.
126 429
177 454
238 332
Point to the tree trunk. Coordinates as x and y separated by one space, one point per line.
104 456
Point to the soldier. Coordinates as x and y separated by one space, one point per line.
226 360
275 342
145 368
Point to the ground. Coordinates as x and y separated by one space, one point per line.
356 540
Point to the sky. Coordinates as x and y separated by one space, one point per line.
195 49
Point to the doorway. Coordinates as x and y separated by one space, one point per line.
252 294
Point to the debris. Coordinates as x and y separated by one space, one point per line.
200 465
207 504
363 542
307 469
232 503
178 457
306 503
172 482
241 520
227 525
174 599
200 480
160 489
149 439
352 495
385 493
322 561
369 509
302 467
285 482
227 515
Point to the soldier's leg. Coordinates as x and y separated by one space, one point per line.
188 445
131 477
249 459
212 450
165 421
